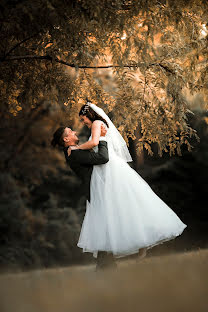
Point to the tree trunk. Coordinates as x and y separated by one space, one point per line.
138 159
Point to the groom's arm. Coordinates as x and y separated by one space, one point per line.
86 157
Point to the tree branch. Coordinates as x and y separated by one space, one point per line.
55 59
18 44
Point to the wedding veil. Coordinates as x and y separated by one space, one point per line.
116 139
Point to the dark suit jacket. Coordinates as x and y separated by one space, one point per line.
82 162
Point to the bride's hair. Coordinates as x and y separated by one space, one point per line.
87 111
58 137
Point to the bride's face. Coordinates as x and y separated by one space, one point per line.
86 121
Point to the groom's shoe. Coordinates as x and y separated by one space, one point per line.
105 261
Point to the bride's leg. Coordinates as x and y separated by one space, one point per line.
142 253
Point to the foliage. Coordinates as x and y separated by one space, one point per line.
35 237
52 52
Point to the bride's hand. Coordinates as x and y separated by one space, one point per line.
103 130
69 151
72 148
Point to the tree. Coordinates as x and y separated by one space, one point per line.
152 51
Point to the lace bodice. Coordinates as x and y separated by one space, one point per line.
114 144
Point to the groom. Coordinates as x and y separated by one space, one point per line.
82 162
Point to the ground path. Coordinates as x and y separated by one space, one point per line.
173 283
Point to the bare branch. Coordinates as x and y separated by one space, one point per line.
18 44
55 59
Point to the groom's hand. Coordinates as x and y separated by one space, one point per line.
103 130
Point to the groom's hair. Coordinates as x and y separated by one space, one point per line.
58 137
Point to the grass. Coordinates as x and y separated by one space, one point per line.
171 283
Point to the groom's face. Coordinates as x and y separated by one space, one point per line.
70 137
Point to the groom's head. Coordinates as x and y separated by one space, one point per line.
64 136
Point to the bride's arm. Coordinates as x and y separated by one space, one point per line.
96 132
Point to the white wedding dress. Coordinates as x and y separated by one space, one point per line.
124 214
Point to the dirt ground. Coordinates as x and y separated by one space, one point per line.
172 283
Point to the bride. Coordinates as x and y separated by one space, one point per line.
124 215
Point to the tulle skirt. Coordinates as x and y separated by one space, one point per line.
124 214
